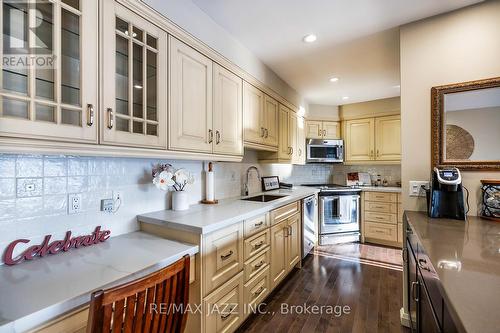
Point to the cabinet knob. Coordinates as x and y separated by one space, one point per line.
90 115
110 118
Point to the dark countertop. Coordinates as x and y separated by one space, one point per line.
472 291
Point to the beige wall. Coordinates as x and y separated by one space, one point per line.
460 46
323 112
373 108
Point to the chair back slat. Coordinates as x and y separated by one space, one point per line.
147 305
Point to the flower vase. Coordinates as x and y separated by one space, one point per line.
180 200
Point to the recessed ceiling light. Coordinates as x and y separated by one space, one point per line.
345 97
334 79
309 38
397 86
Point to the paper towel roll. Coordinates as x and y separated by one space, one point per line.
210 187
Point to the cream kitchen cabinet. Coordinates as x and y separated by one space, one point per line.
191 109
284 144
134 71
227 112
59 102
279 262
359 139
322 129
301 142
253 114
293 136
388 138
271 123
381 221
293 248
373 139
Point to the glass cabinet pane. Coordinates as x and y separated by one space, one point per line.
70 58
45 113
138 84
121 76
44 45
71 117
73 3
151 86
14 108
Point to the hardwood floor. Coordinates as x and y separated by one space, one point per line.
372 292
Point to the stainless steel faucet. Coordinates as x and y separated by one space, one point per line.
245 186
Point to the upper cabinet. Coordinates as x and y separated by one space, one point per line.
388 138
190 115
300 150
284 144
134 54
322 129
261 119
373 139
228 112
57 99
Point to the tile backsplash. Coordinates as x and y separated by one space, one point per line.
34 190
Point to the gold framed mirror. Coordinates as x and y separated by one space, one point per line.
465 128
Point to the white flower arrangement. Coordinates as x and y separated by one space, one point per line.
165 177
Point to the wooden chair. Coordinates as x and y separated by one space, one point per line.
131 307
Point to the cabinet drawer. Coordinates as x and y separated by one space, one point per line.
284 212
256 244
381 207
380 217
381 196
223 256
255 225
256 290
257 264
400 213
223 309
381 231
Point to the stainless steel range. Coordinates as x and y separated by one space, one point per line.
339 220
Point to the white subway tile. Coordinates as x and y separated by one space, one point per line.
55 185
7 166
28 207
77 184
53 167
8 209
55 204
78 166
29 187
7 188
29 166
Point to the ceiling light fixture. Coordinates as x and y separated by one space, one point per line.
345 97
309 38
334 79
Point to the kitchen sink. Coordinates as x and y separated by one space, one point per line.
264 198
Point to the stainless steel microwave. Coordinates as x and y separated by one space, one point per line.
325 151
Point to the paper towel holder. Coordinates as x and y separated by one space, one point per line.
205 201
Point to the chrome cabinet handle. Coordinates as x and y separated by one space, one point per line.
258 291
258 245
90 115
210 136
291 150
217 137
290 230
259 224
110 117
413 289
262 132
324 132
259 265
224 316
319 132
267 133
226 256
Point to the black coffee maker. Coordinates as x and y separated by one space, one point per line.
446 196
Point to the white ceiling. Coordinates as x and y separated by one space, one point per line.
358 41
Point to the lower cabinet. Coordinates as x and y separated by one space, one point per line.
223 309
279 233
382 218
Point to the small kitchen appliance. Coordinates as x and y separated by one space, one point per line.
446 196
325 151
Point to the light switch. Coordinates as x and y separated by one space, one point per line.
416 188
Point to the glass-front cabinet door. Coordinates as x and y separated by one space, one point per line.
134 54
48 76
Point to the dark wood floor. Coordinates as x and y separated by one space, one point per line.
372 292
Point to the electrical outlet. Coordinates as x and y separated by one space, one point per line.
29 187
74 203
416 188
107 205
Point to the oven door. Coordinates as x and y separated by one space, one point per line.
325 152
339 213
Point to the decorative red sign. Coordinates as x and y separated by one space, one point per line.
54 247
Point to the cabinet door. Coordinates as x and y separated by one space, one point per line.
284 146
228 112
301 141
253 114
190 114
292 133
331 130
359 140
271 124
135 70
279 234
314 129
293 241
56 99
388 138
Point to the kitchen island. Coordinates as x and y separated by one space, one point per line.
456 267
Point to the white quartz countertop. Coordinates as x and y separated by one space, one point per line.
392 189
203 219
39 290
